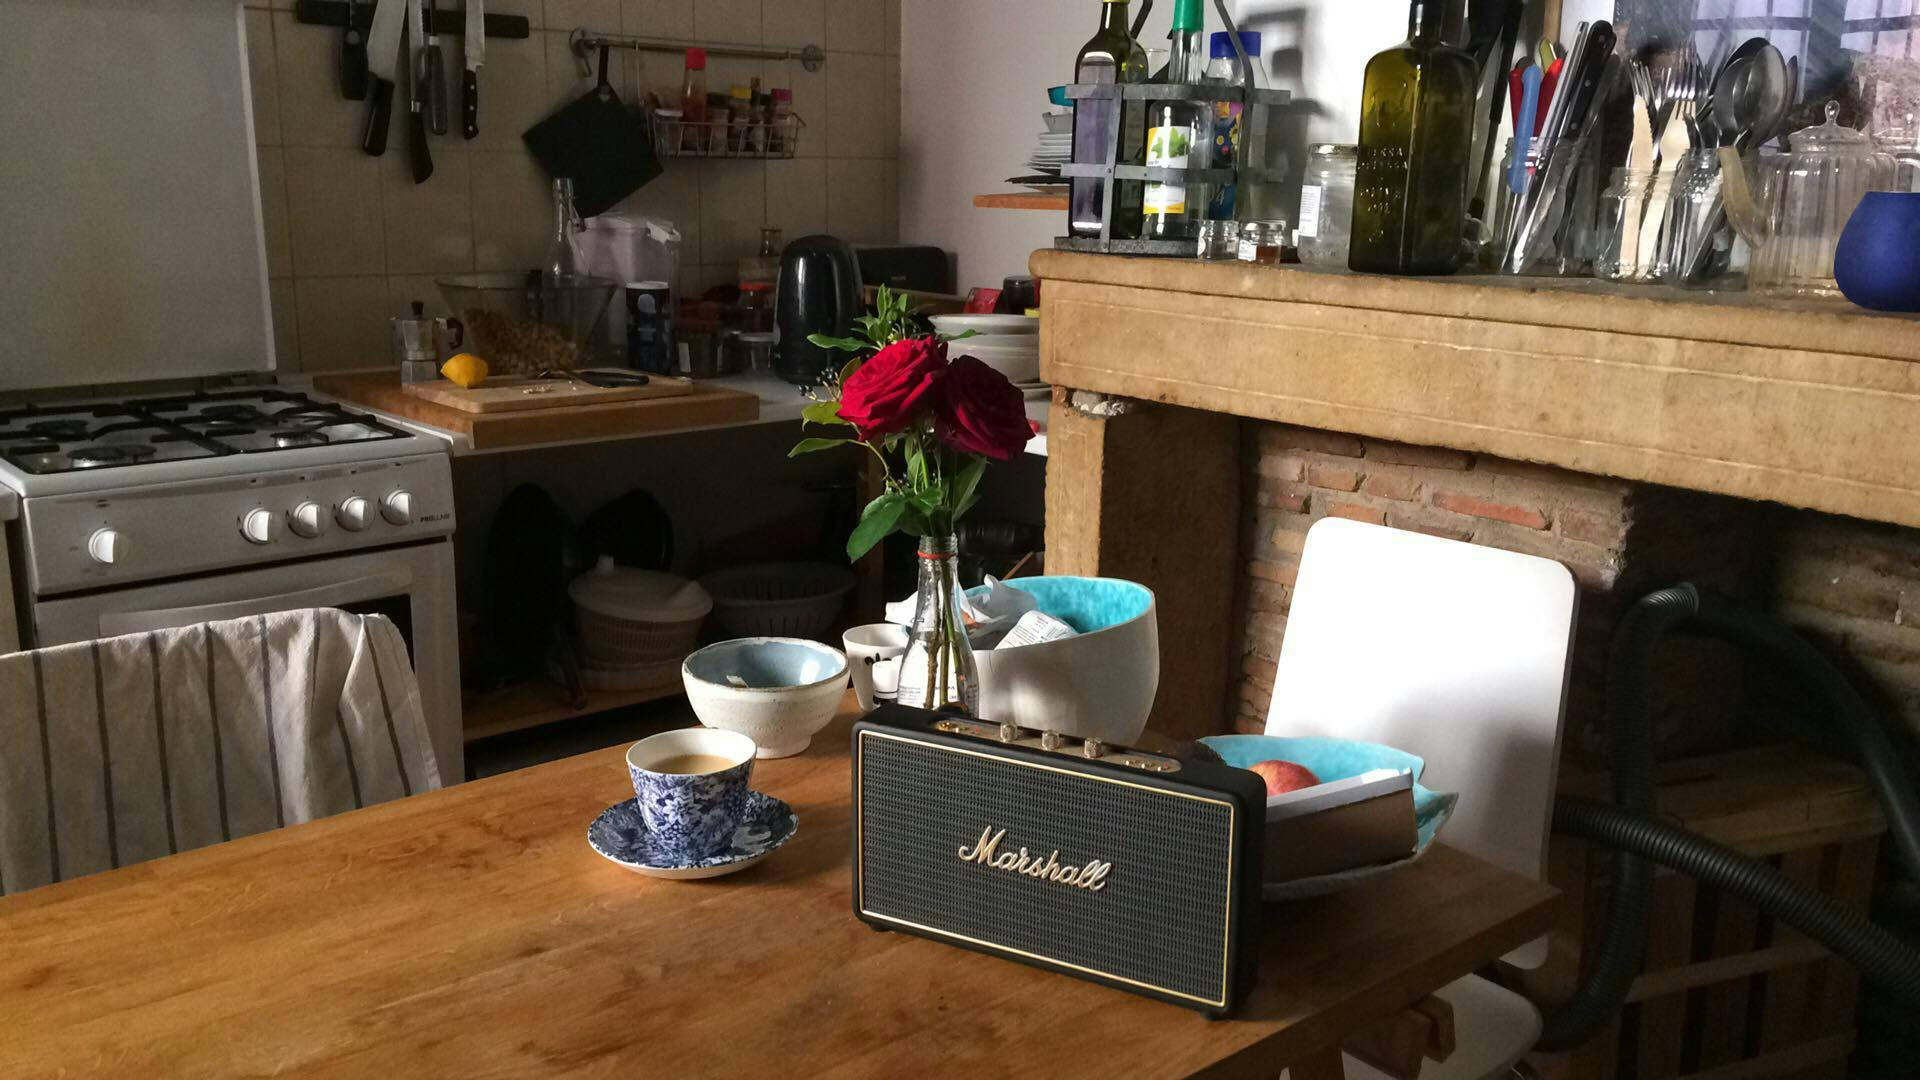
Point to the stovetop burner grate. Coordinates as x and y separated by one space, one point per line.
41 439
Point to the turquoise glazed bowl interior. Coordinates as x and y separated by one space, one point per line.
1086 604
767 663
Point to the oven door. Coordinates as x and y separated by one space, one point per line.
413 586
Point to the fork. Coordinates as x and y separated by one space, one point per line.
1677 90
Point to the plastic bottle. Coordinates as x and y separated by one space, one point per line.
1224 67
693 101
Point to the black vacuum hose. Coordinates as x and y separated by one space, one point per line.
1879 759
1629 827
1623 935
1882 958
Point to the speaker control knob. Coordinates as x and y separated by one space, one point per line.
1049 740
1009 733
1093 748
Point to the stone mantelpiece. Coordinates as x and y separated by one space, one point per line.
1554 417
1811 404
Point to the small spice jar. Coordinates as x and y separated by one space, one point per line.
1263 242
1326 204
1218 240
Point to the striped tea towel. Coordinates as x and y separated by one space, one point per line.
128 748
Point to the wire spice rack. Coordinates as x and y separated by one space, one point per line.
1110 171
674 137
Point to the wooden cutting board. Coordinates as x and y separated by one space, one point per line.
512 394
704 406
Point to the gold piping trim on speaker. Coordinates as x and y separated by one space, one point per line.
859 839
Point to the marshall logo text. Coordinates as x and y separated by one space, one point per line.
986 851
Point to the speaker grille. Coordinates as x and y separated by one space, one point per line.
1159 922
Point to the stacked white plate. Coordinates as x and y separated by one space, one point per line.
1009 344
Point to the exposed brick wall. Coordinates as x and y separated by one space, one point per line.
1618 538
1854 586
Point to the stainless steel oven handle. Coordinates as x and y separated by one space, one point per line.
373 586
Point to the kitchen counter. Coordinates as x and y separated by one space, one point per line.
721 402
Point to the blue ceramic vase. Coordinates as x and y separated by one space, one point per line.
1877 264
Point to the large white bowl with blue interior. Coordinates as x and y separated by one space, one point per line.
776 691
1097 685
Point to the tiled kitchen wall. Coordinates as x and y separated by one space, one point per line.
351 239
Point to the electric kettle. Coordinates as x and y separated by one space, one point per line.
819 292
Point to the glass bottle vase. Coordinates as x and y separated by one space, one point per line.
938 670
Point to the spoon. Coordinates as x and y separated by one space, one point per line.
1773 96
1739 103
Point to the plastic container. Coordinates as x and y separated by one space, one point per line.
777 599
1326 204
629 617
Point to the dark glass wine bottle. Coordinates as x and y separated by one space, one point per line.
1416 131
1110 56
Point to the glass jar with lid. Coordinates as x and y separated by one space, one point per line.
1804 198
1901 142
1326 204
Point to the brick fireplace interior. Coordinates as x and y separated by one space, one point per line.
1852 586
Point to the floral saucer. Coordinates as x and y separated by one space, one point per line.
619 835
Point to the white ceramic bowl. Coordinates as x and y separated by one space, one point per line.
792 688
1018 365
985 325
1098 685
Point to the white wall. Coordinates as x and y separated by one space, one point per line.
974 80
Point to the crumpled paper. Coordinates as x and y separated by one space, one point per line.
989 614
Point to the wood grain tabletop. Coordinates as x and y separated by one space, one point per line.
472 932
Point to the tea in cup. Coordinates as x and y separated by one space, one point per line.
691 785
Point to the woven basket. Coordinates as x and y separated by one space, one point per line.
777 599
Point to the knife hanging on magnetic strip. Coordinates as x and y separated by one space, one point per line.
417 152
383 64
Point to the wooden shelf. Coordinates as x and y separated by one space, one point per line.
1021 200
543 702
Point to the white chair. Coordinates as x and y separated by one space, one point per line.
129 748
1457 653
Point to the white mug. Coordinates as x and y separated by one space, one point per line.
873 654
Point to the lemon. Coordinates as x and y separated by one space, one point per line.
465 370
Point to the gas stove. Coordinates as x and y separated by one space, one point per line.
221 433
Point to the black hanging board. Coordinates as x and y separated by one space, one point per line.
604 147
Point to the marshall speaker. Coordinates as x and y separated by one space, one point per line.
1118 866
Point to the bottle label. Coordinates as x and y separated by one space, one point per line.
1168 147
1310 211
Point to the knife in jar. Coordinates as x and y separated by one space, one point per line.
476 53
383 64
417 151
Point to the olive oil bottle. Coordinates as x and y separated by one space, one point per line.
1416 131
1110 56
1179 136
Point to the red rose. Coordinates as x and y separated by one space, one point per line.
883 394
980 411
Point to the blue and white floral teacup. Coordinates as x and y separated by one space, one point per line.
690 815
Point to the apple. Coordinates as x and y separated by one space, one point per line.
1284 776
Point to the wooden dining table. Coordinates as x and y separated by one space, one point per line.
472 932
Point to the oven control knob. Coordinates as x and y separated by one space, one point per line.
352 513
305 519
397 508
107 546
257 526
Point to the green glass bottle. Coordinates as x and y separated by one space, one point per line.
1110 56
1416 131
